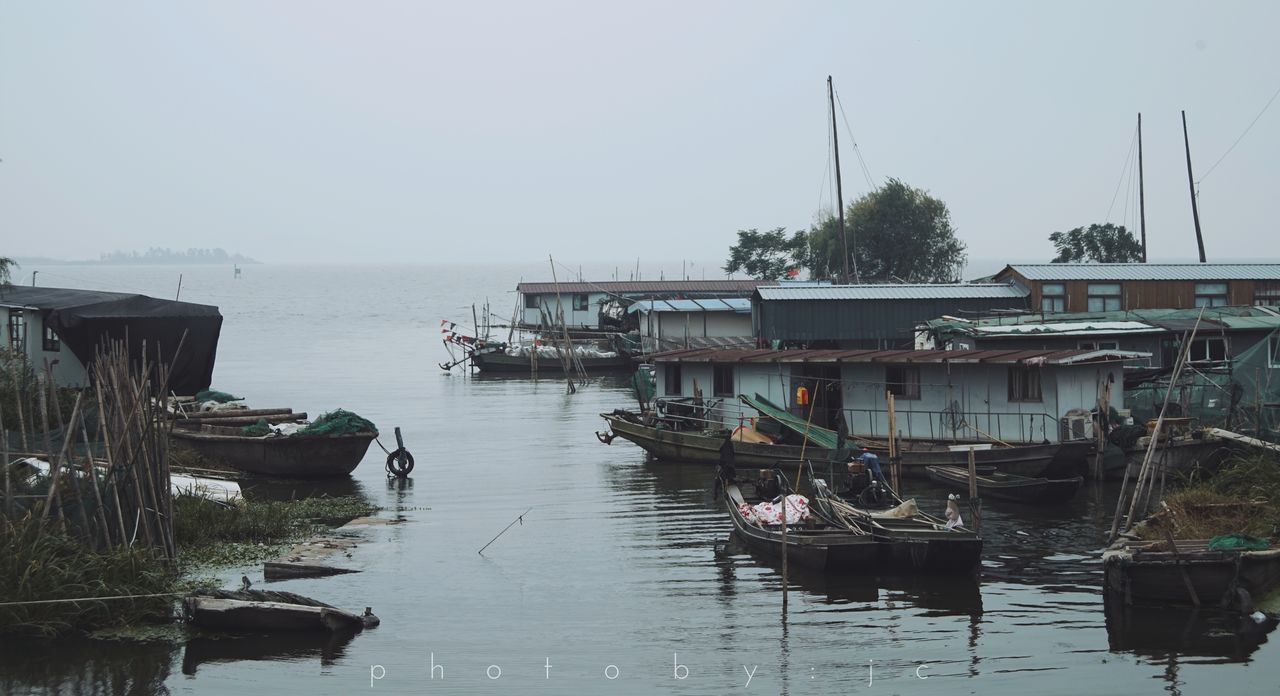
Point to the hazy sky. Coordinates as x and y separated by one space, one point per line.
602 132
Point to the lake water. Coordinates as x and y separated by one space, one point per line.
619 579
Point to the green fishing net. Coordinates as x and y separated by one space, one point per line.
1230 542
220 397
257 429
338 422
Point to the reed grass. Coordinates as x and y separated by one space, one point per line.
1242 497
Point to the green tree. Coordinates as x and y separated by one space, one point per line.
896 233
6 264
767 255
1105 243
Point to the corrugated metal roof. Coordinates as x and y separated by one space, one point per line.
631 287
1065 328
1122 321
1145 271
741 305
1007 357
893 292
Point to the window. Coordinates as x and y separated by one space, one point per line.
1104 297
1266 294
722 382
1024 383
51 341
1099 345
17 330
1211 294
903 381
531 301
1053 297
581 303
672 380
1273 351
1208 349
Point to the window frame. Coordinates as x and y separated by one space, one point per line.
1207 298
1100 292
1025 384
1055 296
1208 353
671 372
531 302
17 330
907 385
581 302
1098 345
719 374
51 342
1273 350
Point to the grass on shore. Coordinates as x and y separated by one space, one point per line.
1242 497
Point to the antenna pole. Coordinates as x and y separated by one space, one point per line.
1195 211
1142 200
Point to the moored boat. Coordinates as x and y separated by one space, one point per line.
258 610
1003 486
1187 571
284 456
820 546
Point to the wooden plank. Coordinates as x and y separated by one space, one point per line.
278 570
233 413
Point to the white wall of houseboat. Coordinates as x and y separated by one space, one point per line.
68 371
548 304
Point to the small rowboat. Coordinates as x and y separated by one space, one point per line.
822 547
1011 487
260 610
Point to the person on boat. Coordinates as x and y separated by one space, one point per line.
767 487
871 462
953 512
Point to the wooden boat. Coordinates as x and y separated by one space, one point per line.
1151 571
704 446
259 610
822 547
502 362
292 456
1002 486
909 539
1178 455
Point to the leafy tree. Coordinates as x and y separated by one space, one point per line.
6 264
767 255
1105 243
896 233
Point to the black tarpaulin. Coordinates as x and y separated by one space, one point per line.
87 319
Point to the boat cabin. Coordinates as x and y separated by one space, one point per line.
672 324
601 306
1009 395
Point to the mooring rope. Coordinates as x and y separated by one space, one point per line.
91 599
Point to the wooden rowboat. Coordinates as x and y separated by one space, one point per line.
822 547
258 610
291 456
1002 486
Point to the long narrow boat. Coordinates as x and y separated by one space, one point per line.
258 610
909 539
823 547
283 456
1002 486
704 447
502 362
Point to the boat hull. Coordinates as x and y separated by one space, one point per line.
1015 489
241 615
1179 457
1026 460
512 364
1146 576
298 456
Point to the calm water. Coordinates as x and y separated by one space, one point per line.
621 568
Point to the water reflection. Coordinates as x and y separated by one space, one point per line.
328 646
87 667
1155 633
269 489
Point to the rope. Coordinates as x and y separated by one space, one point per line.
1128 159
90 599
1237 142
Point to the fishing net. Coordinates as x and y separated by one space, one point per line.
338 422
1230 542
220 397
257 429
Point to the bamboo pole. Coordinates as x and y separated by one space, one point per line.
8 486
19 395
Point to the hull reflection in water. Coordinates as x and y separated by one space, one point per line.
1158 632
328 646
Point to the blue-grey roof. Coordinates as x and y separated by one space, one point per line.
1147 271
893 292
740 305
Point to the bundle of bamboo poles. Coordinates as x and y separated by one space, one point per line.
121 497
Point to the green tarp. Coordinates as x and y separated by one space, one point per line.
818 436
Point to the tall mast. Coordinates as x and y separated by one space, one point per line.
1195 211
1142 200
835 143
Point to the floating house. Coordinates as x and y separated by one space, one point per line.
1110 287
601 306
672 324
1011 395
64 328
869 316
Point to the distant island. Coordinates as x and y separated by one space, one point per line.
158 256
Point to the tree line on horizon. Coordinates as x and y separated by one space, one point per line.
900 234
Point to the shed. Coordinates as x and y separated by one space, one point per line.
869 316
1094 287
68 326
